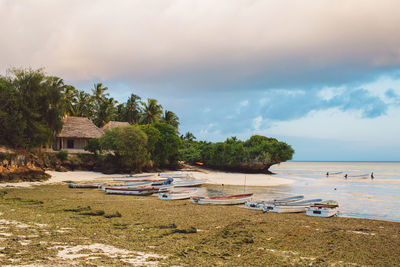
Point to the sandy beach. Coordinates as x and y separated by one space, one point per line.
212 177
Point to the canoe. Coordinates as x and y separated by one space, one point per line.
139 191
146 182
327 208
258 205
188 183
299 206
221 200
174 174
134 177
92 185
175 195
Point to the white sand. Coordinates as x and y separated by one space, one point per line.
212 177
73 176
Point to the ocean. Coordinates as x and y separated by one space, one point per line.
358 196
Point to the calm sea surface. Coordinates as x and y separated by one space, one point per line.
357 196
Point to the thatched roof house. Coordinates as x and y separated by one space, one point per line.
111 124
75 133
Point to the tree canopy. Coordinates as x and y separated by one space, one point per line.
256 154
31 108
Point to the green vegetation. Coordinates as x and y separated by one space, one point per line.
37 225
128 144
31 108
62 155
256 154
32 105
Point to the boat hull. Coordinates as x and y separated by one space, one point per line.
228 200
321 211
131 191
176 195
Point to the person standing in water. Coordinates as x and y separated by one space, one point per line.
372 176
345 176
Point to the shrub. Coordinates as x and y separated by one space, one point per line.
62 155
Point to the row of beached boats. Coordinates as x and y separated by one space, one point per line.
295 204
179 186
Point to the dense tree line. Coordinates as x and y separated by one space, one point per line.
32 105
256 154
136 147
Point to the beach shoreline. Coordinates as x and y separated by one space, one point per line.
211 177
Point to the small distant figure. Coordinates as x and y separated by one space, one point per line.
327 173
372 176
345 176
335 188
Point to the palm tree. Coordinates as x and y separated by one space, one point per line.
106 112
151 111
188 137
70 99
132 109
84 106
171 118
98 92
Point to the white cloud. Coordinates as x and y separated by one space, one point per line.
225 40
257 123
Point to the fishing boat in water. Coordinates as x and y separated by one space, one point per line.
291 207
327 208
176 195
258 205
221 200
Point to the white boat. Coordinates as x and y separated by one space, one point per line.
145 182
188 183
134 177
327 208
139 191
299 206
258 205
221 200
175 195
174 174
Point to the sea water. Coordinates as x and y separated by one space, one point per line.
358 196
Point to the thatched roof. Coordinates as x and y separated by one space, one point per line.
79 127
111 124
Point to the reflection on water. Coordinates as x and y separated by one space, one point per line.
357 196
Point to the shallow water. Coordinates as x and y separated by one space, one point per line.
359 197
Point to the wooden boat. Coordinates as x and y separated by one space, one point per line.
327 208
134 177
299 206
145 182
258 205
188 183
174 174
175 195
139 191
90 185
221 200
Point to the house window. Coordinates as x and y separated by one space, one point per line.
70 143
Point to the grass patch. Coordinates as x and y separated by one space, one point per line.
40 222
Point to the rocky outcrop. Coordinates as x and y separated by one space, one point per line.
21 167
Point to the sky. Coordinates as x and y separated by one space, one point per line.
321 75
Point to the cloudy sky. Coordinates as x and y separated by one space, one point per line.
321 75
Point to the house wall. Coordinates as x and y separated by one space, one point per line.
79 144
